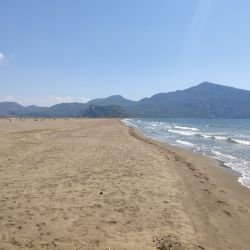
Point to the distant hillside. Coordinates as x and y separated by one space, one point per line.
33 111
112 100
67 109
206 100
110 111
9 108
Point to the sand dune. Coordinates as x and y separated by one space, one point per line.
96 184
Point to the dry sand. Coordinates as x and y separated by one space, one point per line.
96 184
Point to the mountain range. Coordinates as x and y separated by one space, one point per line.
206 100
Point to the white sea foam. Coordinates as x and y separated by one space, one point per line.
186 133
212 136
224 138
217 153
189 144
221 138
187 128
243 142
241 167
206 136
129 122
244 180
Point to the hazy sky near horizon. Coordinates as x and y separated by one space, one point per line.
64 50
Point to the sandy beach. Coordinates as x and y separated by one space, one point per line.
97 184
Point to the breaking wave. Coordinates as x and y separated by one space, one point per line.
187 128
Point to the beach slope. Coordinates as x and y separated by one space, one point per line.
96 184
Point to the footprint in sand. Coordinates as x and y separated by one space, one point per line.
14 242
65 217
207 190
227 213
222 202
242 209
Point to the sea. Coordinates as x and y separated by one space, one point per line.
227 140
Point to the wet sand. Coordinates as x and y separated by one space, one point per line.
96 184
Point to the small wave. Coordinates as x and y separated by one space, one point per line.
187 128
217 137
129 122
245 181
243 142
205 136
223 138
220 138
217 153
238 141
186 133
229 164
185 143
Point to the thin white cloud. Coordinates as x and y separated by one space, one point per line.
67 99
84 99
2 58
61 99
45 102
10 98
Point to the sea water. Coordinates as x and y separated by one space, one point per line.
227 140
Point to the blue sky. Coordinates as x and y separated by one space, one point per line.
63 51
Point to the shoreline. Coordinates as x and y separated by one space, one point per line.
98 184
229 172
224 181
221 164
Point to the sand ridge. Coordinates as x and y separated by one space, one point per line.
96 184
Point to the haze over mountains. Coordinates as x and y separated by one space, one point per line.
206 100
